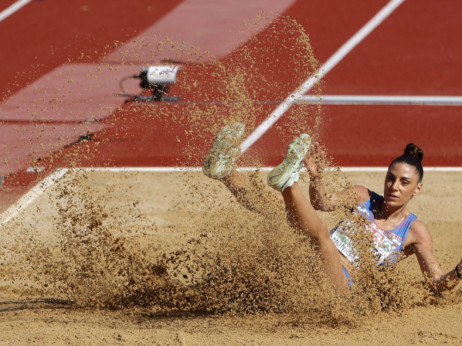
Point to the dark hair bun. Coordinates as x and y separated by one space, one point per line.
414 151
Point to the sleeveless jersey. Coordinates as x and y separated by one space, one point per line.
387 243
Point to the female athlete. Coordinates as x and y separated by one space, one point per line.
395 229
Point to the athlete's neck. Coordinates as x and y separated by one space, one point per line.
393 214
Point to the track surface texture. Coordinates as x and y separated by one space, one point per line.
412 52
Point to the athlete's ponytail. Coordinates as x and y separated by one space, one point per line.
413 156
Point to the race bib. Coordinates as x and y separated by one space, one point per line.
386 243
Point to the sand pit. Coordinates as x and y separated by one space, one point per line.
94 236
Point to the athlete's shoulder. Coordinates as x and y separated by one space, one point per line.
420 233
419 227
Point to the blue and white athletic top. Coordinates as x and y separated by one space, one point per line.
387 243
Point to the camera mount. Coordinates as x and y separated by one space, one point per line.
156 79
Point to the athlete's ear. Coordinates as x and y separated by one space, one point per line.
418 188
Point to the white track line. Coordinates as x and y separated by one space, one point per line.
45 184
328 65
380 100
13 8
243 169
30 196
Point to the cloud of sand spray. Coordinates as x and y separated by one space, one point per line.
244 87
93 266
91 261
234 261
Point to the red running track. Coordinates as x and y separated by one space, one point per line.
46 34
413 52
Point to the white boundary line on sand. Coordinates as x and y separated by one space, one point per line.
45 184
30 196
380 100
13 8
323 70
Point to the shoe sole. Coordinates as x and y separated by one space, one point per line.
280 177
220 160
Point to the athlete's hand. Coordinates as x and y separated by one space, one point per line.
315 160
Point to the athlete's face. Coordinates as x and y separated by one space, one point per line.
401 183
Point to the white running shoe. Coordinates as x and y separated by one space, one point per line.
287 173
219 162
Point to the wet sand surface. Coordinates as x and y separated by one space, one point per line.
158 213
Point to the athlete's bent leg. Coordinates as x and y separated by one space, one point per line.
220 165
252 197
304 218
301 214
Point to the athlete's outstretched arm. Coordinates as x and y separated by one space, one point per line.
423 249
